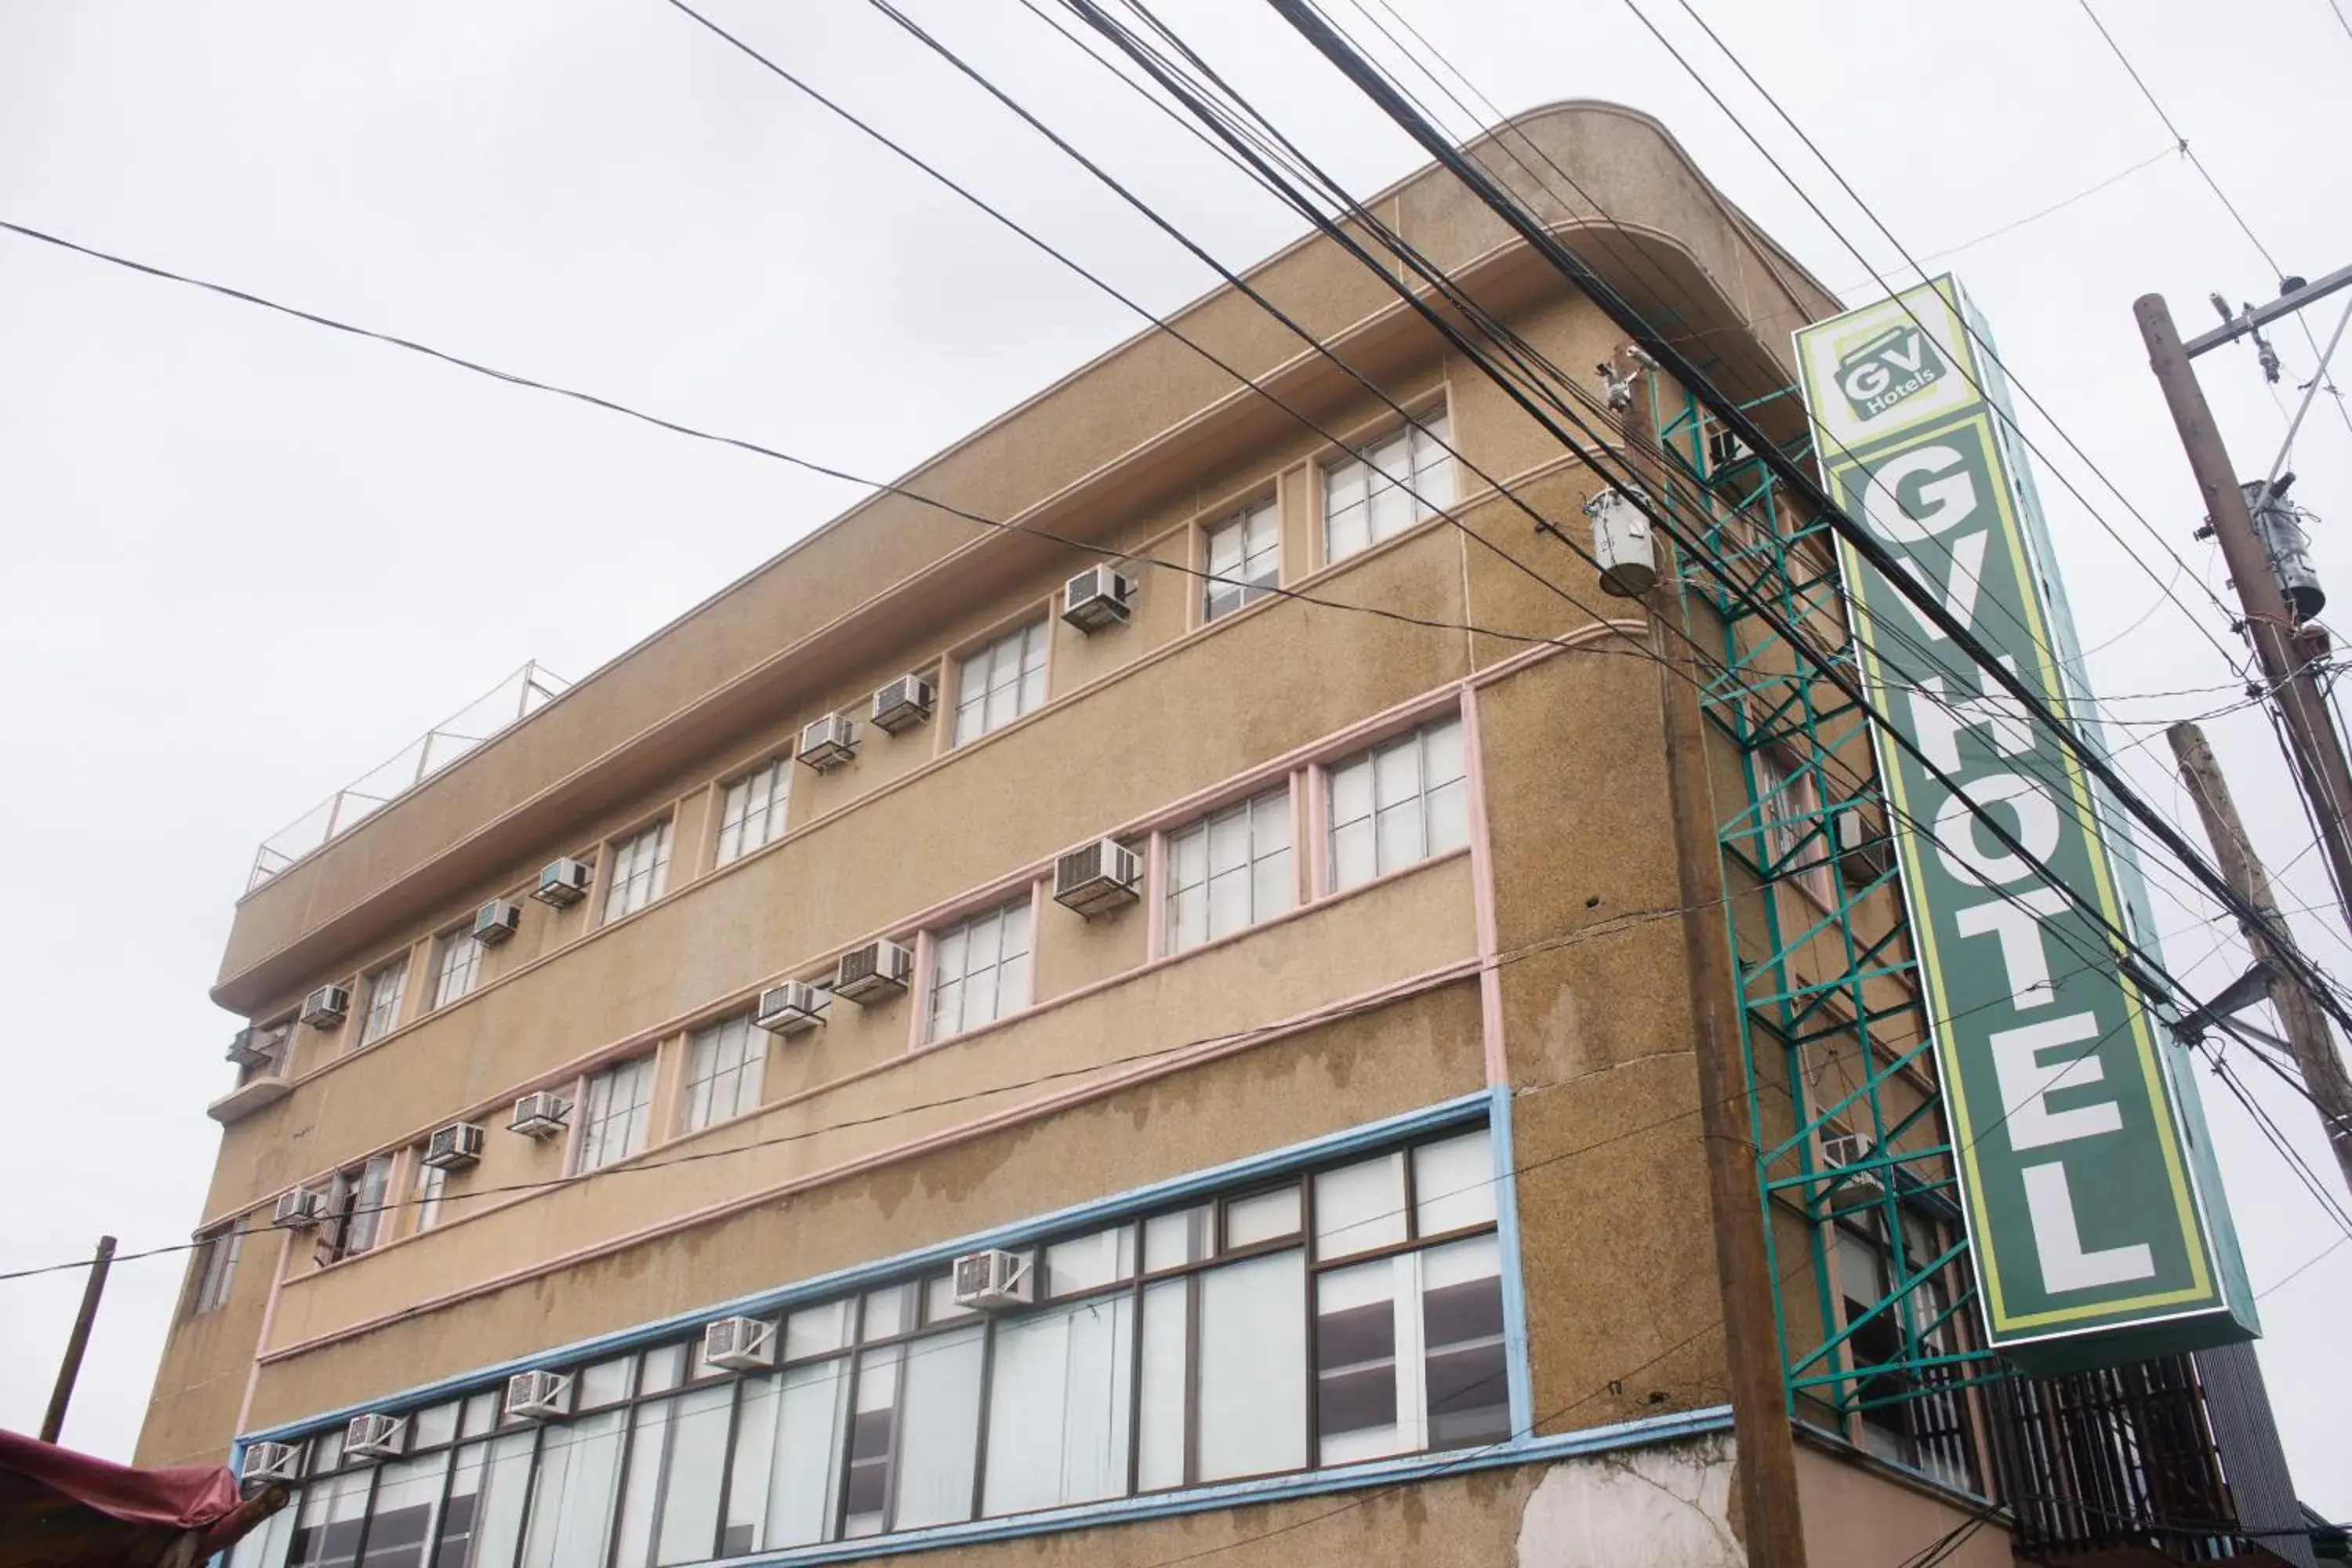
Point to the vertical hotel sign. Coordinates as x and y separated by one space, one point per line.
2096 1230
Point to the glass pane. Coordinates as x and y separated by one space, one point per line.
665 1366
1358 1207
1273 887
1262 1217
493 1522
939 1441
698 1457
1351 792
1188 918
1399 836
1057 1418
605 1383
1160 1452
807 1443
481 1413
1357 1404
1468 1393
1170 1239
1354 859
1252 1382
1449 817
1229 902
813 1330
1454 1184
641 1493
888 1311
1396 771
573 1497
326 1533
1229 839
1085 1262
401 1520
432 1425
1188 858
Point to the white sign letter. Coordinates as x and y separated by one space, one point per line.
1956 829
1948 500
2064 1265
2014 923
1940 720
2024 1082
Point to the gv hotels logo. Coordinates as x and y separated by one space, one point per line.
1887 367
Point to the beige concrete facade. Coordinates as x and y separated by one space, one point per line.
1538 962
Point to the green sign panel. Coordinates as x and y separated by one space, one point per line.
2094 1217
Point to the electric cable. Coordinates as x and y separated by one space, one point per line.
1860 540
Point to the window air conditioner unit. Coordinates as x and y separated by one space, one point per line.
454 1147
879 966
562 883
541 1115
299 1208
538 1397
790 1009
497 920
253 1047
376 1436
903 704
1840 1149
1864 852
272 1462
995 1279
1097 877
740 1344
327 1006
1097 597
829 742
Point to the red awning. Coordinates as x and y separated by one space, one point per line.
63 1509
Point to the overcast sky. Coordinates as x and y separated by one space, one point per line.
245 560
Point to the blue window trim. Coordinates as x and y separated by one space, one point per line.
1491 1105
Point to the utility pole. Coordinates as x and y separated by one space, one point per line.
2312 742
54 1422
2299 1015
1760 1411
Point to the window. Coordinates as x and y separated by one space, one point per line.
616 1114
356 1205
752 810
1244 556
384 992
980 970
640 871
1790 806
1386 488
1001 682
1910 1417
1321 1318
1229 870
723 1067
1397 804
432 1181
214 1270
456 962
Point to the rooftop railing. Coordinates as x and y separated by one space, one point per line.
501 707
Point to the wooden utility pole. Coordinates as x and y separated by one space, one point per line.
1760 1412
2299 1015
54 1422
2312 742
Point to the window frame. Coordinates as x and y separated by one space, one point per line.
455 951
1041 625
1168 851
655 879
750 1066
1369 755
372 1028
1790 816
1242 588
351 1213
858 1338
211 1274
588 1151
1432 425
933 939
774 816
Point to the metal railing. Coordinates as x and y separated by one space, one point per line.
507 703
